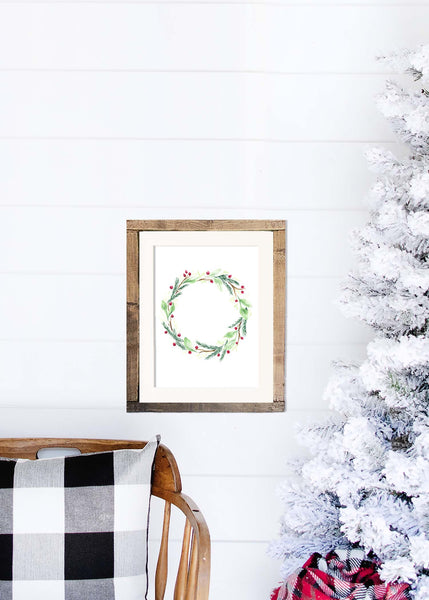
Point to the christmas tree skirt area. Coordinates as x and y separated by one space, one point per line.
342 573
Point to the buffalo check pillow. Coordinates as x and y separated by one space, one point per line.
75 528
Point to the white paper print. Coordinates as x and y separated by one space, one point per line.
207 300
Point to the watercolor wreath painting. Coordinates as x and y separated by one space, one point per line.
235 333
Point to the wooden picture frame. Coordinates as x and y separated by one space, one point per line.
140 280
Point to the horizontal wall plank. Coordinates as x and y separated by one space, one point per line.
78 307
340 38
314 318
60 374
242 571
93 240
184 175
62 307
273 37
238 570
308 369
92 374
243 443
191 105
255 519
311 3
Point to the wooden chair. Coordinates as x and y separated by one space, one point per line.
192 581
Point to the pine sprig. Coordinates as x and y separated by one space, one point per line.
212 355
208 347
222 355
236 322
176 338
173 293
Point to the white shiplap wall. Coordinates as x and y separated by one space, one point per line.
114 110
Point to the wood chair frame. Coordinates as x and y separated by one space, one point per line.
192 582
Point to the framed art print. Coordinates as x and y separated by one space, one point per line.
205 316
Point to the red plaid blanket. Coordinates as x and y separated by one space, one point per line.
342 574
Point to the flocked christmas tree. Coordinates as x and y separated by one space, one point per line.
366 482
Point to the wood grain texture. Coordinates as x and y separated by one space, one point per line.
133 321
161 573
182 574
166 473
205 225
279 317
278 228
204 407
200 535
193 570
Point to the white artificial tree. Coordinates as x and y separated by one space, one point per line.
366 481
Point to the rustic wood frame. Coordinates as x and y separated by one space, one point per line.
278 228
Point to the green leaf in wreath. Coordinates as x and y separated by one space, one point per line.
219 283
245 302
230 334
244 327
188 344
171 308
244 313
164 306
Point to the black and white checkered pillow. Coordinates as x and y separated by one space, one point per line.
75 528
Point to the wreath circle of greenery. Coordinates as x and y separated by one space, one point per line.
236 332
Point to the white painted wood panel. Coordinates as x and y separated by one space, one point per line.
184 175
191 105
243 571
62 374
253 519
235 444
325 107
92 374
133 36
313 317
35 307
239 570
78 307
79 240
308 368
311 3
334 37
229 36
